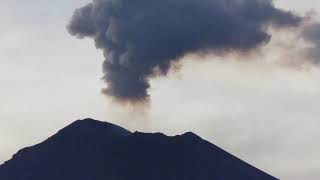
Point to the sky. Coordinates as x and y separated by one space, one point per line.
262 108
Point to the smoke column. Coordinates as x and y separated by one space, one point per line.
143 38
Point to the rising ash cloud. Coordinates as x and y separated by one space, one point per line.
141 37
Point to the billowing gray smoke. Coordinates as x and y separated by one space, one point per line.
139 36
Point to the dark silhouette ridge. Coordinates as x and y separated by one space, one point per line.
94 150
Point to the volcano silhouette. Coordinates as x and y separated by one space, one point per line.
93 150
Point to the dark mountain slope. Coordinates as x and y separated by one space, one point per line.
94 150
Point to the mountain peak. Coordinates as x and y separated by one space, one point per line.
90 149
90 126
191 135
91 123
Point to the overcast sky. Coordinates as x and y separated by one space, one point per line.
263 109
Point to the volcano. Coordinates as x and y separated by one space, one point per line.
94 150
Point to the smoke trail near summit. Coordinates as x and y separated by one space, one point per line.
142 38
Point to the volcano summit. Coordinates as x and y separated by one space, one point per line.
93 150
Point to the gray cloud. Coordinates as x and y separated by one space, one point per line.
311 34
140 36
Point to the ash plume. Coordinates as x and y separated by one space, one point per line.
143 38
